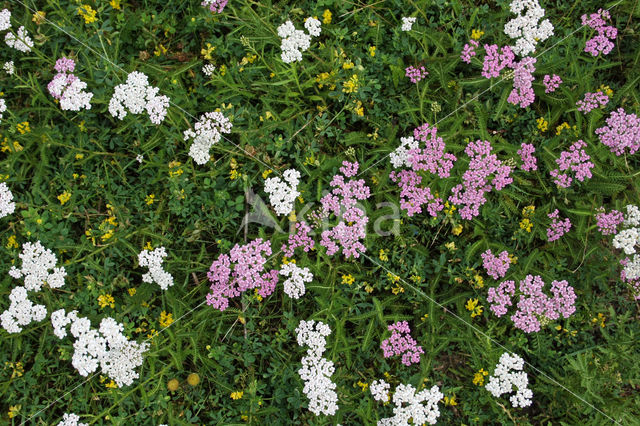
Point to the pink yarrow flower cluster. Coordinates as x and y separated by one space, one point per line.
68 88
551 83
413 196
522 93
432 157
592 101
608 222
470 194
621 133
469 51
415 74
601 43
575 160
247 273
300 239
496 266
401 343
494 62
215 6
533 304
529 162
558 227
341 201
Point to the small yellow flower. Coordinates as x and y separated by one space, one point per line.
173 385
424 317
87 13
326 17
148 246
372 51
543 124
11 242
472 306
115 4
266 173
359 109
599 320
206 52
526 224
363 385
561 127
23 127
105 300
476 34
111 385
64 197
161 50
451 246
149 199
131 291
450 401
193 379
478 377
79 156
351 85
166 319
606 90
38 17
393 277
348 279
236 395
397 289
223 69
384 255
457 230
478 281
14 410
415 278
528 211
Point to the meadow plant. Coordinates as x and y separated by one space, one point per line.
296 278
7 205
407 23
5 19
415 74
529 162
507 374
575 160
215 6
67 88
299 239
417 407
401 343
526 28
496 266
153 260
621 133
469 51
592 101
19 41
283 191
206 132
522 93
601 43
136 96
71 419
380 390
558 226
551 83
248 265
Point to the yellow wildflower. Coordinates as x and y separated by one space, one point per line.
478 377
543 124
351 86
363 385
359 109
266 173
451 246
348 279
160 50
606 90
111 385
148 246
223 69
384 255
173 385
561 127
526 224
193 379
472 306
450 401
397 289
166 319
237 395
38 17
528 211
115 4
149 199
600 319
64 197
23 127
87 13
476 34
105 300
478 281
14 410
131 291
326 17
11 242
372 51
457 230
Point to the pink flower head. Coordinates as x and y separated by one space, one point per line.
592 101
64 65
469 51
575 160
622 132
496 266
401 343
608 222
551 84
601 43
494 62
415 74
499 297
300 238
215 6
529 162
432 157
413 196
558 227
522 93
248 265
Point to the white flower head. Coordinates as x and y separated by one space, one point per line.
525 27
7 205
508 373
136 96
283 193
294 285
5 19
20 41
380 390
400 156
153 260
205 133
407 23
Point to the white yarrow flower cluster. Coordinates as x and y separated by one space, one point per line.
136 95
206 132
400 156
421 407
627 240
19 41
5 19
294 42
70 90
283 193
525 27
508 373
36 262
208 69
3 107
407 23
294 285
71 420
106 347
316 371
380 390
9 68
7 205
21 311
153 260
